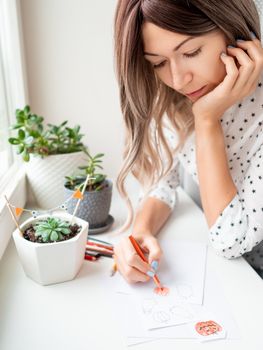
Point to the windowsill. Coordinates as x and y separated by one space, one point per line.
15 191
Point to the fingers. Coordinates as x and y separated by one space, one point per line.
151 245
247 67
255 52
249 55
129 263
130 273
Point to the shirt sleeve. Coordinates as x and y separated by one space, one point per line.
240 225
165 189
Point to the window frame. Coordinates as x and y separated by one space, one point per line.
13 63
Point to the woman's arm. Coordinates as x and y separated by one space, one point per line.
150 217
217 188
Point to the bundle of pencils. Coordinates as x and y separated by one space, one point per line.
96 248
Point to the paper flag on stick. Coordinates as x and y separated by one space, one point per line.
77 194
18 211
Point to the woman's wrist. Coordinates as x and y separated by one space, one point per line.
141 233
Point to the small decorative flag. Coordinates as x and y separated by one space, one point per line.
18 211
77 194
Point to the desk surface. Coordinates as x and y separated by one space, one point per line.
75 315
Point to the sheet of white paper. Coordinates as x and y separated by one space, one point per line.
182 269
157 311
126 314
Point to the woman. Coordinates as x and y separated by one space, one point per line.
183 73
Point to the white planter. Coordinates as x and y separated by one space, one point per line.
46 176
49 263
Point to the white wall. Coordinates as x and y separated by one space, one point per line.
69 59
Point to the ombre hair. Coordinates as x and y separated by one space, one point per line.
144 99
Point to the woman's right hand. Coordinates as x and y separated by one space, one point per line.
129 263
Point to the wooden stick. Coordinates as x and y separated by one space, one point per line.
13 216
82 192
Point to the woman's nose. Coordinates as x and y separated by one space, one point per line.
180 77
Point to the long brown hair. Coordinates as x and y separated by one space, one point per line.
144 99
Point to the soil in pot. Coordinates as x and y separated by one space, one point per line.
29 234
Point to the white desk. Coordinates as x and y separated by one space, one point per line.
75 315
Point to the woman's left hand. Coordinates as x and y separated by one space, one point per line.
237 84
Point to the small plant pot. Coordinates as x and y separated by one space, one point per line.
50 263
94 207
46 176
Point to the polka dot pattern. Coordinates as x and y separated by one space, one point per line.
239 228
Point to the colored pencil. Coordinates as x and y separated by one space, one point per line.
141 255
90 258
99 241
100 245
99 249
113 269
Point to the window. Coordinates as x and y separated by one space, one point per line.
12 95
12 76
5 149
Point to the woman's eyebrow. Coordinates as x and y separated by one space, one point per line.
175 49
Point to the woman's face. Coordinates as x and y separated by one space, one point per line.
185 66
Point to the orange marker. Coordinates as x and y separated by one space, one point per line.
140 253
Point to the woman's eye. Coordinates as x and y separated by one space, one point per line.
189 55
158 65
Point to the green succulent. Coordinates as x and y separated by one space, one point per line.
96 181
32 138
52 229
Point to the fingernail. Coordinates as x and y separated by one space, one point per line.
253 35
223 53
150 273
231 47
240 40
154 264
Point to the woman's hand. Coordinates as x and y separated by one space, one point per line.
238 83
129 263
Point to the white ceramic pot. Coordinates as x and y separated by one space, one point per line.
49 263
46 176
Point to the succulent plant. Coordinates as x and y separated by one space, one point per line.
96 182
33 138
52 229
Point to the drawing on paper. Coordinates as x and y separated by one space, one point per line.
161 291
180 311
207 328
148 305
184 290
162 313
161 316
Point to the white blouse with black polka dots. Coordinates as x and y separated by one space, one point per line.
238 230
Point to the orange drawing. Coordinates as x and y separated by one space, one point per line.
207 327
161 290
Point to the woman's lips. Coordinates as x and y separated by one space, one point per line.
196 93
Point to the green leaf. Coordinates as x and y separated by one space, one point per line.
99 155
21 134
65 231
54 236
25 156
27 109
13 141
20 149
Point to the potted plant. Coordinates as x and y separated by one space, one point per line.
51 248
49 153
97 195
